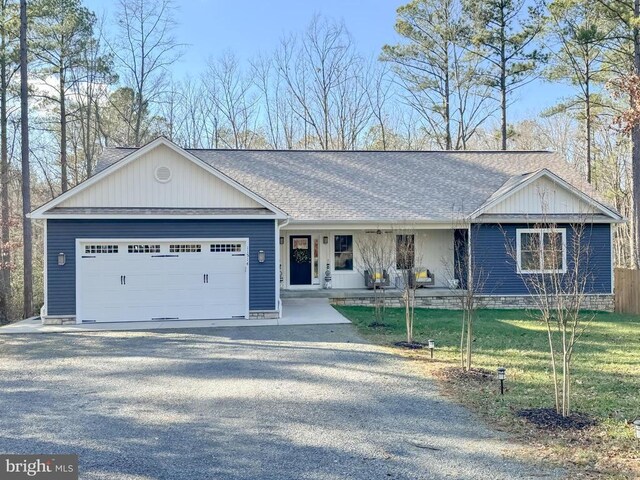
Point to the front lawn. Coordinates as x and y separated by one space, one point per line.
606 378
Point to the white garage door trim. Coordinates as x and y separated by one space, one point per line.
79 253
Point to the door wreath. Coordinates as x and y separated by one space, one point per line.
301 256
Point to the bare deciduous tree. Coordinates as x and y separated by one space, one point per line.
467 281
408 266
323 76
553 262
145 49
377 257
230 90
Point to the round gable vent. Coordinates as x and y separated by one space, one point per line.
163 174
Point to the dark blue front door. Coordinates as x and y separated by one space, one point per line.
300 260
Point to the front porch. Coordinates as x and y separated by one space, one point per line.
347 257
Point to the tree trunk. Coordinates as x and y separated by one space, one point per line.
5 251
565 385
588 122
635 140
447 107
565 372
469 341
554 371
406 318
26 175
64 180
88 144
503 82
462 337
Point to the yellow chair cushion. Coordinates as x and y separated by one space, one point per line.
421 275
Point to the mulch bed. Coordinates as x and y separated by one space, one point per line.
411 346
549 419
477 374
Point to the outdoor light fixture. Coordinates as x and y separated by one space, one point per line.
62 259
262 256
281 240
325 240
502 374
636 426
432 345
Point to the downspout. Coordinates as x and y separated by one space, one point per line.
278 264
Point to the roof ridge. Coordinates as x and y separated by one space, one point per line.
298 150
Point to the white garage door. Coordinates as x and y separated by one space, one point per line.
123 281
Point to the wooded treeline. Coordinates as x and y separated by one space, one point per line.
449 83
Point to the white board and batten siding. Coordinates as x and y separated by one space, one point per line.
543 196
141 184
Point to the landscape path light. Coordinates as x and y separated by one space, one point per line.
432 345
502 374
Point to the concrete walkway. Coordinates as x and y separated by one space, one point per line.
311 311
304 402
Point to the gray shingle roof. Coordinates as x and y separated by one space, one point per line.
374 185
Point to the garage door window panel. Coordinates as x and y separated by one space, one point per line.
226 247
143 248
185 248
100 249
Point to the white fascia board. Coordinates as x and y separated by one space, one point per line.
554 178
372 225
155 217
532 218
39 212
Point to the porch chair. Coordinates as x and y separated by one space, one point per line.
376 279
424 278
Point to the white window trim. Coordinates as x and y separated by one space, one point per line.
540 231
333 254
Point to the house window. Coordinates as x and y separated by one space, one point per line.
343 252
405 252
541 250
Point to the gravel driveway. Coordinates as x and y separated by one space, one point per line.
312 402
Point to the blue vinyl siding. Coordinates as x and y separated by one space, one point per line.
62 235
492 257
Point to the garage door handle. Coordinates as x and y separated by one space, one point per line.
123 280
205 278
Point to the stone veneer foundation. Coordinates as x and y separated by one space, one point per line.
603 303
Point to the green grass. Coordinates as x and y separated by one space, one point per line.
606 365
